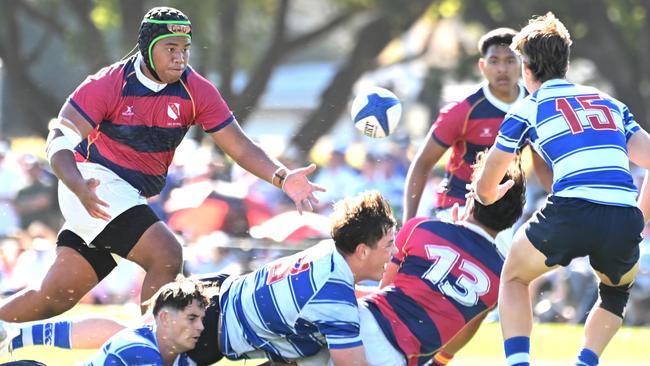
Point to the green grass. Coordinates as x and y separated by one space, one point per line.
552 345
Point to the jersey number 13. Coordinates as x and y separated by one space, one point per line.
470 285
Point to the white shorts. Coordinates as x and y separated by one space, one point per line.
379 351
503 239
119 194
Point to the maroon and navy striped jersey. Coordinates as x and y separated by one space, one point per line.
448 274
468 127
136 129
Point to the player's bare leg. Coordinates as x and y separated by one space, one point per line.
92 333
523 264
69 278
160 255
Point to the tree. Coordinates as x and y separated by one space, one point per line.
614 35
255 36
392 20
91 32
18 60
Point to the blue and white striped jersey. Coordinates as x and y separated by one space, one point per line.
291 307
582 134
134 347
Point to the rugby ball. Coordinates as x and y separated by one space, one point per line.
376 112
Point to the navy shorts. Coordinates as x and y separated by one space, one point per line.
119 237
567 228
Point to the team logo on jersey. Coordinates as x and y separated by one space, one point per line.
487 132
173 110
128 112
48 336
284 267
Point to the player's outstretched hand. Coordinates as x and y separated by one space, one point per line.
88 196
298 187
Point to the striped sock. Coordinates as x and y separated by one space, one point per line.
587 357
57 334
517 351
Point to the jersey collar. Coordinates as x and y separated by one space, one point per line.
479 230
338 260
150 84
503 106
501 249
554 82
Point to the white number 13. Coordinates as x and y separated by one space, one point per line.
470 285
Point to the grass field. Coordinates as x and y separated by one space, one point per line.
552 345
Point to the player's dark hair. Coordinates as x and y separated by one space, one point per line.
149 31
503 213
364 218
499 36
545 47
178 295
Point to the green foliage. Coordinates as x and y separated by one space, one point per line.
359 4
628 15
105 15
448 8
495 8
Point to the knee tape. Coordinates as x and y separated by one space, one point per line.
614 298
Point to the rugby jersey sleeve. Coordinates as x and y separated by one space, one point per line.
333 310
136 354
212 113
402 238
630 125
514 129
448 127
95 97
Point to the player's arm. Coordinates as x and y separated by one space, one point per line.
250 156
389 274
542 171
355 356
638 147
487 189
418 174
444 354
65 134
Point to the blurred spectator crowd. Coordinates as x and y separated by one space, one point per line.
230 221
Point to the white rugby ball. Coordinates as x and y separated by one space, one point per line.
376 112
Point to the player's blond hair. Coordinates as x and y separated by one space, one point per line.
544 45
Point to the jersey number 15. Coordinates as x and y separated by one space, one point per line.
599 116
